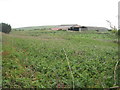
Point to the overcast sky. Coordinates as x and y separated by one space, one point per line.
22 13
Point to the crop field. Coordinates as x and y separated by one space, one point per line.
59 59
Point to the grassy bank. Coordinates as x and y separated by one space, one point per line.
50 59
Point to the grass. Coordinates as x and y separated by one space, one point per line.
39 58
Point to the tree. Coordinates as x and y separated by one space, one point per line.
111 26
6 28
119 33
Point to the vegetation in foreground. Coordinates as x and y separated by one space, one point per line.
52 59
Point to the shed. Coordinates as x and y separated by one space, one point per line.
88 28
64 27
98 29
78 28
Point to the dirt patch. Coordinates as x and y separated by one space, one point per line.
5 53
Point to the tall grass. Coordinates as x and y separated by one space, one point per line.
48 59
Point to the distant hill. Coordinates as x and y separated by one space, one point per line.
36 27
57 26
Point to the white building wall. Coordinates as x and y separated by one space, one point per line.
80 29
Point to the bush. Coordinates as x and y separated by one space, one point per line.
5 28
114 31
118 32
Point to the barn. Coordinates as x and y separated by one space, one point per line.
98 29
64 27
76 27
88 28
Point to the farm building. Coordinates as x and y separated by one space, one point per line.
75 27
87 28
64 27
99 29
78 28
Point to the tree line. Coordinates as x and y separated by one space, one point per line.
5 28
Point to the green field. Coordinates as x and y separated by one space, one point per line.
52 59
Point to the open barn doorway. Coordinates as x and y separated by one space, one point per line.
83 28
